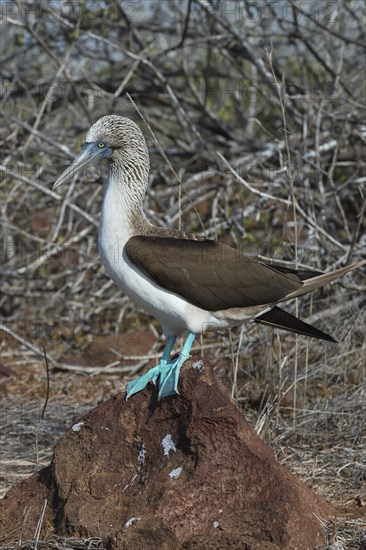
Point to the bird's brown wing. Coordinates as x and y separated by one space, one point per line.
209 274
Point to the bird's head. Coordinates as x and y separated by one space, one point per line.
115 138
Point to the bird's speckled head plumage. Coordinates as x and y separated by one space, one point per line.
120 141
123 136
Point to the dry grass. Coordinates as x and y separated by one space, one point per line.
59 543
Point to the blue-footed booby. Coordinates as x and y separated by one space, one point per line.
187 284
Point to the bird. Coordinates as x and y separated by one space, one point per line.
190 285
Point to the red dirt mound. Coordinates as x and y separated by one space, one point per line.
187 472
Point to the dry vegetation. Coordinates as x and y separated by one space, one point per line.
254 114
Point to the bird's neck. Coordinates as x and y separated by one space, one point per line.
124 196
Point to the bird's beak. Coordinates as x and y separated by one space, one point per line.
89 153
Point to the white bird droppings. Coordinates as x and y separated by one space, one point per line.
197 364
215 524
140 464
142 455
77 427
176 473
168 444
131 521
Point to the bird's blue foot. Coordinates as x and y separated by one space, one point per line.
142 381
169 377
165 374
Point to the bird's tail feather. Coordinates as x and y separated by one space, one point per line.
276 317
321 280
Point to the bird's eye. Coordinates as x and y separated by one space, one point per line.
101 144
